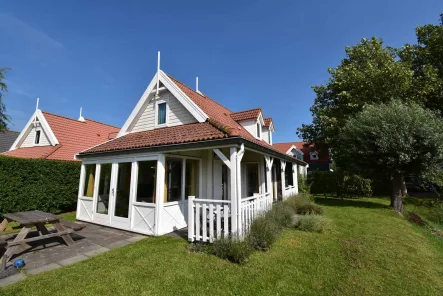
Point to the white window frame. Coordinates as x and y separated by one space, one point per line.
161 101
259 135
312 157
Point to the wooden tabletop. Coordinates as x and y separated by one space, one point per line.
32 217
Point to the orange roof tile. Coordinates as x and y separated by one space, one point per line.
305 148
73 136
268 121
247 114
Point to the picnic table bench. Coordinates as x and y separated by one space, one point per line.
38 219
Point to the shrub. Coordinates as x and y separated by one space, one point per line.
303 186
303 205
38 184
313 223
264 232
233 249
310 209
281 214
339 184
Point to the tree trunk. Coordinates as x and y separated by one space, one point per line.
397 197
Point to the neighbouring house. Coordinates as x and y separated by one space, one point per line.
7 138
184 160
56 137
316 161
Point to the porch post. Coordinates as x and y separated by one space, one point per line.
269 161
306 170
283 185
159 193
233 187
209 172
295 177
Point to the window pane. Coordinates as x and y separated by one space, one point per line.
123 190
258 130
88 189
252 183
103 188
173 179
288 175
192 178
161 113
37 137
147 171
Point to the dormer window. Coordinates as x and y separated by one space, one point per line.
161 113
37 137
258 130
313 155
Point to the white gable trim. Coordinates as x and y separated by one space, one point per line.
198 114
260 119
28 127
294 147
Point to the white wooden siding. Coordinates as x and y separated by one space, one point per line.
178 114
250 125
30 139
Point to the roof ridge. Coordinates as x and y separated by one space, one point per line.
253 109
65 117
201 95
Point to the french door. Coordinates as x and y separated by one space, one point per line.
112 202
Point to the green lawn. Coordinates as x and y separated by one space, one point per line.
369 251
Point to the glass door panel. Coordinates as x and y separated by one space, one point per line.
123 190
104 185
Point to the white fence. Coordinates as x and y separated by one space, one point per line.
289 191
208 219
253 206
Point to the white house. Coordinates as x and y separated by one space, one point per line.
183 160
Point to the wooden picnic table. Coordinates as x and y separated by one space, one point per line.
38 219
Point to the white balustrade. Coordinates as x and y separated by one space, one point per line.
253 206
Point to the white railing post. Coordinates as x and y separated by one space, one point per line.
191 218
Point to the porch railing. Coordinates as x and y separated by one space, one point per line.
208 219
289 191
253 206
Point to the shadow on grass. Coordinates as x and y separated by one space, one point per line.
356 203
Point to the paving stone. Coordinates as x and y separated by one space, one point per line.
135 238
12 279
73 260
118 244
96 252
48 267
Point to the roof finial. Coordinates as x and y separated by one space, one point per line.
36 107
81 117
196 84
158 75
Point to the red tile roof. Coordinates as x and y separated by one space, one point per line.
268 121
73 136
220 125
247 114
306 149
179 134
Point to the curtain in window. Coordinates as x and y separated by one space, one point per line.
162 113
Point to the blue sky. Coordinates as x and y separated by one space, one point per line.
101 55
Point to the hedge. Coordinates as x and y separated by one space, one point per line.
38 184
339 184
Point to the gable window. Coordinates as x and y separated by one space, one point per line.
258 130
313 155
37 137
161 113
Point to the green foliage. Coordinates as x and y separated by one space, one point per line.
233 249
339 184
313 223
392 139
37 184
4 119
281 214
303 205
264 232
303 186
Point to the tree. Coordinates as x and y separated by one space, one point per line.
370 73
394 139
4 118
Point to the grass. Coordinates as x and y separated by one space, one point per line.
14 227
368 251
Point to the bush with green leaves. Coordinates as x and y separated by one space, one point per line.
339 184
264 232
302 182
312 223
234 249
302 204
38 184
281 214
